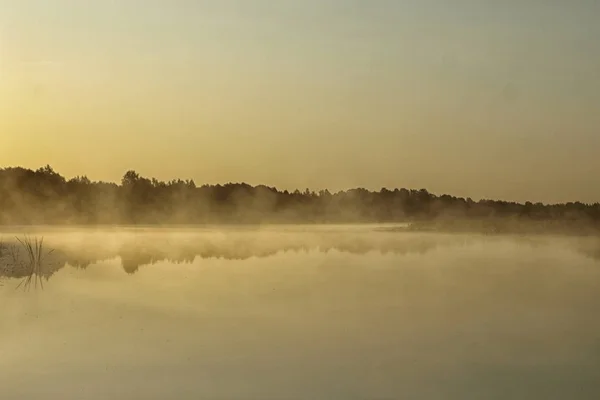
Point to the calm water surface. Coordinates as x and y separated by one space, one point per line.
300 313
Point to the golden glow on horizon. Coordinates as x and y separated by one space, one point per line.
493 100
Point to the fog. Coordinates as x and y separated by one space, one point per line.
317 199
81 247
45 197
294 312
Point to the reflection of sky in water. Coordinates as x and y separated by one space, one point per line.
461 317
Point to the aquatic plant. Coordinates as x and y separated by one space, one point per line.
35 262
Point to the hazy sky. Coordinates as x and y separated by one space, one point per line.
471 97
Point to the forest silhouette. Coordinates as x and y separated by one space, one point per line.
43 196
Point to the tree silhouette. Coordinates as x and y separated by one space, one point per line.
44 196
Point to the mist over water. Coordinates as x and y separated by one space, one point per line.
281 200
296 312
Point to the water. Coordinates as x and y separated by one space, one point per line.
302 313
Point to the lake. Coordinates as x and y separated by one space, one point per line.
298 312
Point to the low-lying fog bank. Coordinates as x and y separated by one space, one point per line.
136 246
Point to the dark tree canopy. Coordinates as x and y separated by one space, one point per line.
45 197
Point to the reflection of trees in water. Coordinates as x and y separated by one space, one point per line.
137 253
132 257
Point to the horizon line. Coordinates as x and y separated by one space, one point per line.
311 191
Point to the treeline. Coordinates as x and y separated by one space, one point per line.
44 196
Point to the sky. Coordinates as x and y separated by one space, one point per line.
476 98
